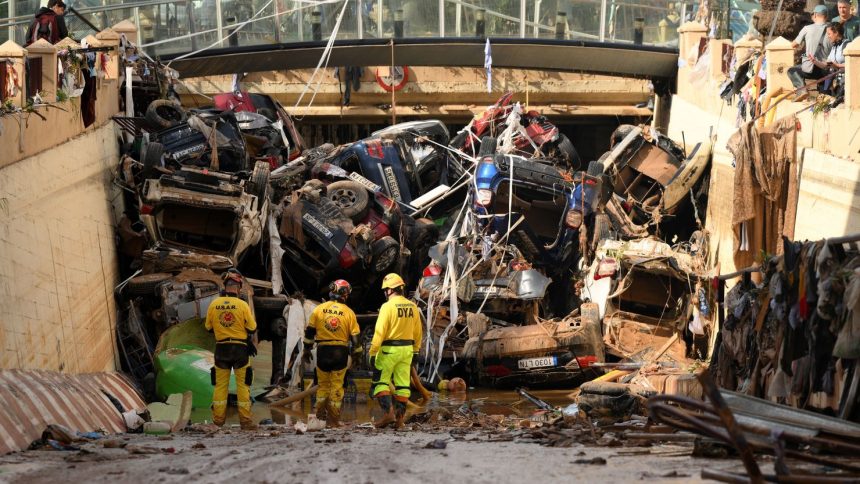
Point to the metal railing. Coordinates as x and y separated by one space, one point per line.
170 26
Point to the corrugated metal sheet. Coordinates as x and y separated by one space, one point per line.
30 400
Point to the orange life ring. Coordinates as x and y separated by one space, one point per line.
396 87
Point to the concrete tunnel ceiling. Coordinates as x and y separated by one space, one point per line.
544 54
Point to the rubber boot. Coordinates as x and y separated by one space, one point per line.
388 418
322 409
248 424
332 418
400 413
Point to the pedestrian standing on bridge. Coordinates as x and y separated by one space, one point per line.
230 318
332 326
49 24
393 351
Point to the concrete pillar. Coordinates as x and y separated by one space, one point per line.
746 46
690 34
716 48
852 75
91 41
13 51
780 56
48 53
127 29
109 38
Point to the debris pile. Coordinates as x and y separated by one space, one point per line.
794 337
531 267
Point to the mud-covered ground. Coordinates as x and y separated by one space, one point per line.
278 454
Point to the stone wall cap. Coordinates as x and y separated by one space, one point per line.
11 49
67 43
692 27
107 34
748 41
92 41
124 26
853 48
41 46
779 43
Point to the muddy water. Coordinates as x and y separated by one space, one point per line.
488 401
358 408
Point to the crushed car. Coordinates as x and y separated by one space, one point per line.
344 230
530 134
206 211
651 296
659 184
409 161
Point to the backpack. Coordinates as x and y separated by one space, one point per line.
43 28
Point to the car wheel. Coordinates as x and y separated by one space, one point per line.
595 168
488 146
351 198
270 303
385 252
146 284
278 327
567 152
602 228
459 141
152 154
164 113
620 133
258 184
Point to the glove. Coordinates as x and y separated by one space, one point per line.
252 350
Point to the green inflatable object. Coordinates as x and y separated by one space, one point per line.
184 357
187 368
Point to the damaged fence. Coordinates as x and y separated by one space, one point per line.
31 400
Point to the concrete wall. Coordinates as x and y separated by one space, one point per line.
441 92
58 263
57 257
828 152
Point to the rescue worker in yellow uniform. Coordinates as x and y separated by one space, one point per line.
332 327
394 349
231 320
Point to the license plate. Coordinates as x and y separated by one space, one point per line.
364 182
542 362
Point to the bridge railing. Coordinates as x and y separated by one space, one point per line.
171 26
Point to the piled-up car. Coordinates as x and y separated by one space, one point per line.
198 182
531 266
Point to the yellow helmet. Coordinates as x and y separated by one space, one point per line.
392 281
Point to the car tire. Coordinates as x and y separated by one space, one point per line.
488 146
568 153
602 230
164 113
595 168
351 198
270 303
152 154
459 141
620 133
146 284
385 253
258 183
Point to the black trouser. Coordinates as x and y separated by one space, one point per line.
799 77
